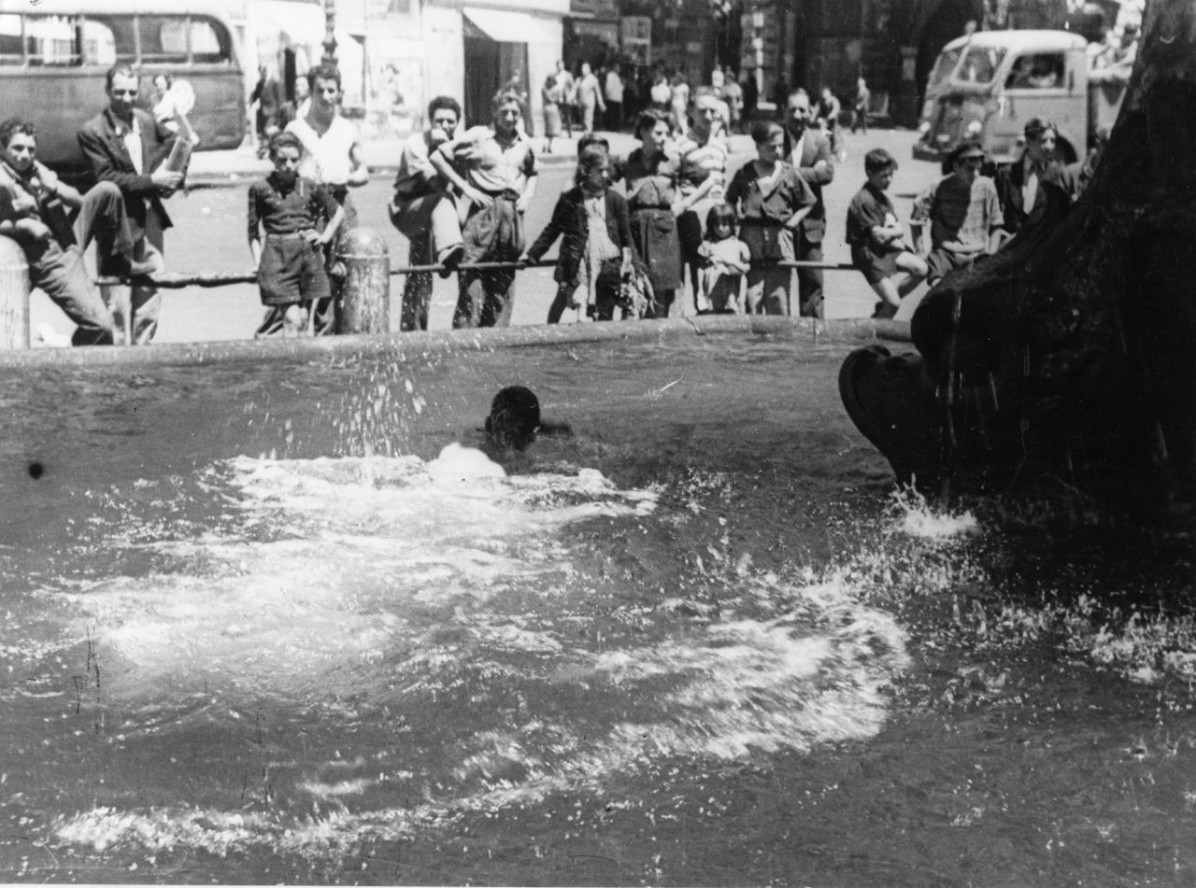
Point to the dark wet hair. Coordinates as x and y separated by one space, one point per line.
441 103
877 160
12 126
285 139
514 418
719 213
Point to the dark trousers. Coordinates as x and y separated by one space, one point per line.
809 280
614 116
491 234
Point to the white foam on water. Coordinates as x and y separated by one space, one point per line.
348 542
917 518
358 547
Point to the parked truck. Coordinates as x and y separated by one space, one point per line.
988 84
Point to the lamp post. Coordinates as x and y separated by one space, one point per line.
329 32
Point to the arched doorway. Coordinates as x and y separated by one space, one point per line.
940 27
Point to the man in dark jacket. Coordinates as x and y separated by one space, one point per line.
809 152
269 96
125 146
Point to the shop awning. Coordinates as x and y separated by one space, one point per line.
512 27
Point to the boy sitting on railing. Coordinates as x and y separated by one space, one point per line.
290 264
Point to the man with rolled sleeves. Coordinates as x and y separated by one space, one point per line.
126 146
809 152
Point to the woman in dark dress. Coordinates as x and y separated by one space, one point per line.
651 174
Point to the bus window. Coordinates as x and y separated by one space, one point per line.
163 38
99 44
120 29
10 40
206 45
52 41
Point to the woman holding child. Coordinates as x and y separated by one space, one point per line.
771 199
654 202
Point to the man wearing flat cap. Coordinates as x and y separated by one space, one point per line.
963 212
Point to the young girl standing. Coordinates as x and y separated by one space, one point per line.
592 221
290 264
727 261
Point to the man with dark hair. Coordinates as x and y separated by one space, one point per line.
424 211
963 211
35 211
126 146
332 157
809 152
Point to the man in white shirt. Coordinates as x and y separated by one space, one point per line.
331 157
614 99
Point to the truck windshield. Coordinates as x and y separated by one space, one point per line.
980 64
944 65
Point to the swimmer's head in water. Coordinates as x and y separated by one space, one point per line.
514 417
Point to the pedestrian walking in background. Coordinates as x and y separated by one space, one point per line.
679 105
268 96
771 199
661 93
614 89
565 96
591 219
654 202
733 96
859 106
827 113
589 96
499 181
877 238
751 96
299 218
728 259
551 96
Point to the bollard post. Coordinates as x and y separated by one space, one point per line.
365 294
14 296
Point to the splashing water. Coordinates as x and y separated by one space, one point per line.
435 592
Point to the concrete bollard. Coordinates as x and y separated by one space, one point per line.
14 296
365 295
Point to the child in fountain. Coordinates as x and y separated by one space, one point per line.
290 263
727 261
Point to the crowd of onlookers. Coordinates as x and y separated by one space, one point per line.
668 229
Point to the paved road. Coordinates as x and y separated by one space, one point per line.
209 235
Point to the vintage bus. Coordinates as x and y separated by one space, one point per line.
987 85
54 55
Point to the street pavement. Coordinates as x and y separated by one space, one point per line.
209 235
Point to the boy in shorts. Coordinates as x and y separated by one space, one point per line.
290 263
878 248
